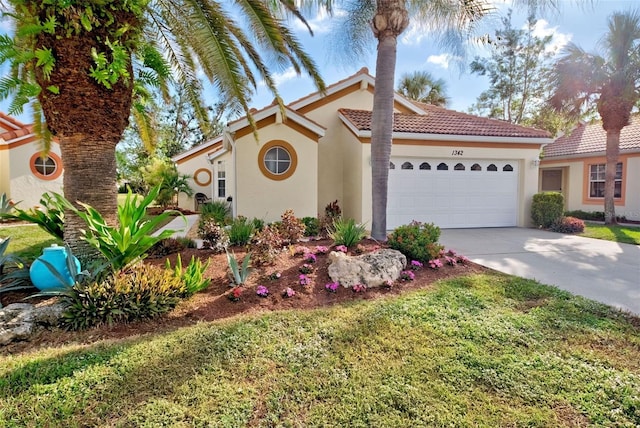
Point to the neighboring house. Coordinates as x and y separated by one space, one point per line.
449 168
24 174
575 163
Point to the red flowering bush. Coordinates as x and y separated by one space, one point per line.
568 225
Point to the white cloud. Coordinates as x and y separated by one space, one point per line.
285 76
442 60
414 35
558 41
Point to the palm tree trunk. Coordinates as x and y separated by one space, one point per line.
390 20
613 150
89 177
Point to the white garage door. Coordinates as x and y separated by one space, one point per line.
453 193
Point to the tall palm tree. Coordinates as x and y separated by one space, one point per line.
611 81
423 87
78 60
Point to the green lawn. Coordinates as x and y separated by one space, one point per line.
624 234
27 241
487 351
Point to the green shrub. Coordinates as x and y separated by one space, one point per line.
266 245
417 241
347 232
129 241
218 211
14 274
192 277
568 225
311 226
212 234
291 228
187 242
50 218
258 224
241 231
140 292
591 215
547 208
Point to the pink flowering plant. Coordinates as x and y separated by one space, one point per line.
341 248
273 276
435 264
310 258
388 284
321 249
332 287
407 275
463 260
306 269
262 291
359 288
415 265
288 292
303 279
451 261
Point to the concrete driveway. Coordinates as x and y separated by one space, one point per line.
605 271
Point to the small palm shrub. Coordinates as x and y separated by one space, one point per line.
417 241
291 227
311 226
568 225
547 208
241 231
218 211
140 292
212 234
266 245
347 232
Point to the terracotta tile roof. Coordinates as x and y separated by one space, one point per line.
8 136
438 120
591 138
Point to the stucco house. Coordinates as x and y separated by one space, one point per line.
24 174
450 168
574 164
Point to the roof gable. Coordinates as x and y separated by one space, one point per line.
588 139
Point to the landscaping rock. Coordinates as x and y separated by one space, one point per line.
372 269
19 321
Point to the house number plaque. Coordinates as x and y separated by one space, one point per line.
457 152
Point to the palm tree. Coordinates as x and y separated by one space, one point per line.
423 87
611 81
79 63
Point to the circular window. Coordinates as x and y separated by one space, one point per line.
202 177
277 160
46 168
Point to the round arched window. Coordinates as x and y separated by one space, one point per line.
47 167
277 160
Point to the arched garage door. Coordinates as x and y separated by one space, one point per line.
453 193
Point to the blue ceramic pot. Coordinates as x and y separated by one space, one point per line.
42 277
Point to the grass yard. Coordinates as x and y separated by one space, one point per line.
27 241
484 350
624 234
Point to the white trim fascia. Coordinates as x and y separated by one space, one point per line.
350 125
216 155
196 149
11 125
274 110
587 155
17 139
358 78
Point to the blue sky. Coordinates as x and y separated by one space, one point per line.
583 25
417 51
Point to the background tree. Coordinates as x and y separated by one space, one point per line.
79 62
421 86
164 173
611 81
519 71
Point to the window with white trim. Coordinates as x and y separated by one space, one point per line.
45 166
277 160
222 180
596 180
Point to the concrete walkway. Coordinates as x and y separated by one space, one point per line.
605 271
178 225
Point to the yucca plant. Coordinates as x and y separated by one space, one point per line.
239 274
129 241
347 232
